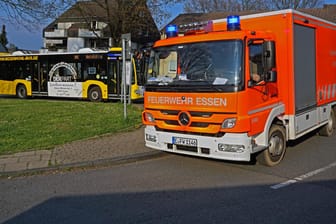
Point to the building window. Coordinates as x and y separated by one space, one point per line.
94 25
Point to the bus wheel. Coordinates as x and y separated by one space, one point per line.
328 129
21 92
276 147
95 94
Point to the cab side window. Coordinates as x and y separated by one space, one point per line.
255 60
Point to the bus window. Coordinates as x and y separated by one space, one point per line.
141 64
4 71
78 67
44 77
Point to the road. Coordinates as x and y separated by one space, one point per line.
180 189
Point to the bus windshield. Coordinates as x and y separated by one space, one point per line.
206 65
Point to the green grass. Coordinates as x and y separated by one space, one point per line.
27 125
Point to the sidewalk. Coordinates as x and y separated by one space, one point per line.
114 148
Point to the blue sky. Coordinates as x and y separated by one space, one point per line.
32 40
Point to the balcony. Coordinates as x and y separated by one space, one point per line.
88 33
55 33
53 42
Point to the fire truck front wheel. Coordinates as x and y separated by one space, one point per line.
276 147
95 94
328 129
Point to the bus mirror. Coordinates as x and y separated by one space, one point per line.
269 55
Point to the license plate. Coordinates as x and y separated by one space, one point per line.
185 141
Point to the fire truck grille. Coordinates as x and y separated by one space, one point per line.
190 122
194 115
193 124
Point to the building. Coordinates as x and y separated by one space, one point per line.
95 24
185 21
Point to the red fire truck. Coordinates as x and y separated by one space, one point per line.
242 86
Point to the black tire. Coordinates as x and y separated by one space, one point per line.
95 94
328 129
276 147
21 92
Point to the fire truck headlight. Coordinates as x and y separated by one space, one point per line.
149 117
231 148
229 123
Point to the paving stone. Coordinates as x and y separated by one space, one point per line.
94 149
9 160
45 157
38 164
30 158
20 154
15 167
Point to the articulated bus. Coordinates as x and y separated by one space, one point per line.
94 75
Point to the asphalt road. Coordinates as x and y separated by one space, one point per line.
180 189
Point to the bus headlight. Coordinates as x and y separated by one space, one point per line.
139 91
229 123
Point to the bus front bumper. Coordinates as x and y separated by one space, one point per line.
231 146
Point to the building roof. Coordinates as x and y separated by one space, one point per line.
328 12
143 28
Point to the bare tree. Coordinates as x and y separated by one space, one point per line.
224 5
31 13
295 4
121 16
3 37
161 9
205 6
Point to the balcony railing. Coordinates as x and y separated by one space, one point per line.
89 33
56 33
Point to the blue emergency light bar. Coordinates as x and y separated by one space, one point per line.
171 31
233 23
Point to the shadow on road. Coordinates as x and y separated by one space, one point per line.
249 204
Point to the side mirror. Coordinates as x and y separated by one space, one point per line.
268 55
271 76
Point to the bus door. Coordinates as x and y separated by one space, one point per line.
141 65
41 77
34 76
114 77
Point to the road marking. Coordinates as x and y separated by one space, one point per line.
302 177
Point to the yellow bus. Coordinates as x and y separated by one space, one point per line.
94 75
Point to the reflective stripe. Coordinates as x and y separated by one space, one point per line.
263 108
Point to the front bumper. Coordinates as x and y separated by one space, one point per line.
237 146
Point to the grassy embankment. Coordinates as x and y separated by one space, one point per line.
27 125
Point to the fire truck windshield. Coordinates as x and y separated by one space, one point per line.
204 65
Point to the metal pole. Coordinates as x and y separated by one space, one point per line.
124 76
130 82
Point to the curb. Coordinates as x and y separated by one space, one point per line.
87 164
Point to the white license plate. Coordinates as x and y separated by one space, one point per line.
184 141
